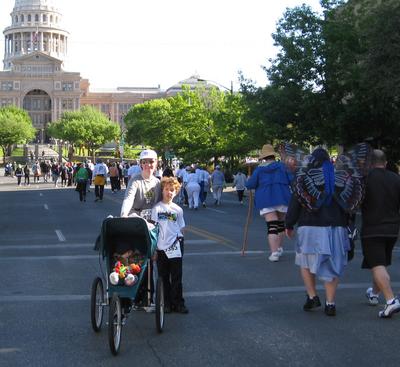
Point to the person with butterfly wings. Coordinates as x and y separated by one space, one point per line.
324 197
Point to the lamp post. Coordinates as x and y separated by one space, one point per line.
230 90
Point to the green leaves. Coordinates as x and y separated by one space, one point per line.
86 127
15 127
196 125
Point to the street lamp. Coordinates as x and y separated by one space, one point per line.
230 90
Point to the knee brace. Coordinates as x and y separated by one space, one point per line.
281 226
273 226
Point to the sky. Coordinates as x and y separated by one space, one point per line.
150 43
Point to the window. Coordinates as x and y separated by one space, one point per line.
16 19
7 85
44 18
67 104
67 86
51 19
36 17
22 18
29 17
6 102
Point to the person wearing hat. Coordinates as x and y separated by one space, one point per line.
271 182
144 189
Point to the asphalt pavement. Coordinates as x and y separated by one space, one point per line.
244 310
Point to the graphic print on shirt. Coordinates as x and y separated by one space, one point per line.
167 216
149 195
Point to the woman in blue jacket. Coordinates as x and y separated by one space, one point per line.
271 182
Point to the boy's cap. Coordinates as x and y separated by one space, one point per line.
148 154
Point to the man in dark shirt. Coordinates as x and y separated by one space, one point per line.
380 229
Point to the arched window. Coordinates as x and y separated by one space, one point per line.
16 19
44 18
22 18
29 17
36 17
51 19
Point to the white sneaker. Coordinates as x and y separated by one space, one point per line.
280 251
274 256
373 299
390 309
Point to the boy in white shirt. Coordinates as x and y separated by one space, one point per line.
169 216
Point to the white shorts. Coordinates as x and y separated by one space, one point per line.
278 208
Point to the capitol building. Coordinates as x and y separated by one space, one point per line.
33 77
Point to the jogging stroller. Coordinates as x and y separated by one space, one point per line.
120 236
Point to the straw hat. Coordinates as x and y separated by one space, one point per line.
266 151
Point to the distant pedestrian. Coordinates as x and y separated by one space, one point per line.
18 174
99 179
36 172
81 178
114 177
217 184
380 230
239 181
55 173
27 173
193 189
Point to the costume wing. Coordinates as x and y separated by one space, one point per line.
309 184
292 156
350 169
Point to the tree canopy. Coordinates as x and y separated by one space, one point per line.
335 78
86 127
15 128
196 125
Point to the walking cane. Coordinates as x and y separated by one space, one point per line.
248 221
249 215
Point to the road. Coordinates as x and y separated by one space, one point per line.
244 311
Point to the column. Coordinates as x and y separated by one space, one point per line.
22 43
41 41
32 47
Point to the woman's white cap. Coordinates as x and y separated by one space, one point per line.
148 154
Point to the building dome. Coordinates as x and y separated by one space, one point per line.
34 3
36 25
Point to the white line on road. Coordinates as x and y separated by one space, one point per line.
216 210
46 207
214 293
40 194
60 236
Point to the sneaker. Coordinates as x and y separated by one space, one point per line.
280 251
311 303
390 309
330 310
97 199
373 299
274 257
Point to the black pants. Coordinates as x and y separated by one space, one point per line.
171 272
240 194
81 188
114 183
98 191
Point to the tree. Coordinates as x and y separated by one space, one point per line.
87 127
196 125
15 128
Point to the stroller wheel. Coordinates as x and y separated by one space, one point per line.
160 303
115 324
96 304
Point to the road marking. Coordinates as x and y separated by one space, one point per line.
216 210
212 237
40 194
194 294
46 207
60 236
